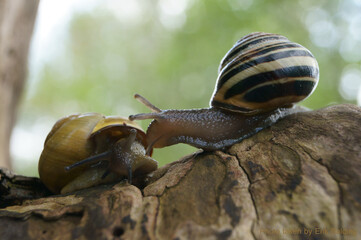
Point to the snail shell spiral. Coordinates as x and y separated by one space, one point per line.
264 71
78 137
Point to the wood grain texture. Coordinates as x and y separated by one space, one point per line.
301 174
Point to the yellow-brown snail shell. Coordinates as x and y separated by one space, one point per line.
116 144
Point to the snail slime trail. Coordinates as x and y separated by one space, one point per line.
259 80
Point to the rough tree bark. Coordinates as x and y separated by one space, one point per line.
17 19
299 179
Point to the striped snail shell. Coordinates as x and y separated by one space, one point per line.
264 71
260 79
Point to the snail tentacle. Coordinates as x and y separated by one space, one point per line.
130 139
143 116
102 156
147 103
127 147
155 114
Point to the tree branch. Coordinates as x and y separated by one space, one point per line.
300 178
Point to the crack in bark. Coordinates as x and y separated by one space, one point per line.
218 202
156 217
252 230
300 223
339 218
179 180
322 164
262 179
249 186
340 203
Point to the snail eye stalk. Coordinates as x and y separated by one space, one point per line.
96 158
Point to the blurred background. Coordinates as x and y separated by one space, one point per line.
93 55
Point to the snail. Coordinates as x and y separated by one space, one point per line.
84 150
259 80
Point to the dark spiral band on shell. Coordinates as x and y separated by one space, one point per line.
245 42
264 71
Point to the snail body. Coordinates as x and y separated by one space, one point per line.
260 79
85 150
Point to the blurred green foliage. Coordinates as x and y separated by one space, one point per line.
170 59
